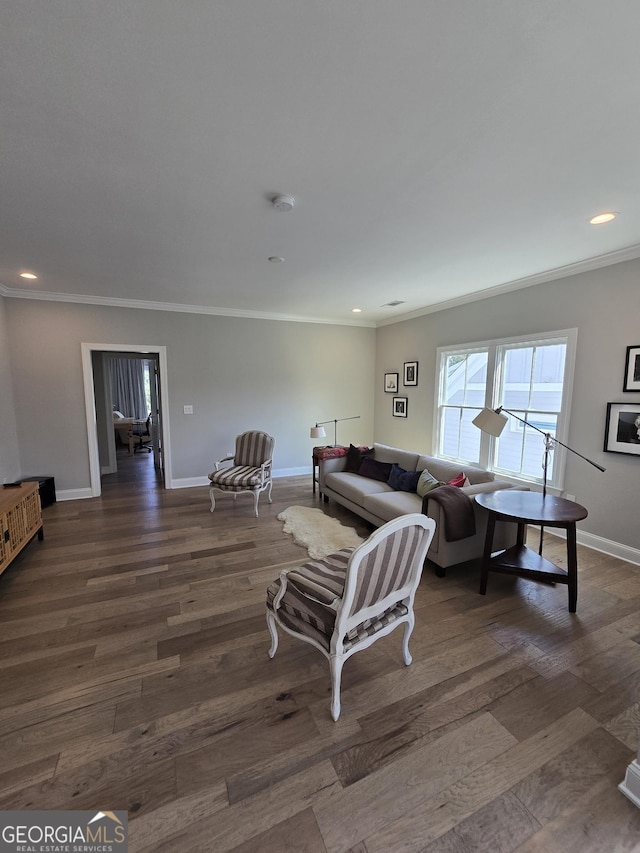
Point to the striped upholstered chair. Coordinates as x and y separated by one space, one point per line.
251 468
346 601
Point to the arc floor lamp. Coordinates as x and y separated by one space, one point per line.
318 430
492 421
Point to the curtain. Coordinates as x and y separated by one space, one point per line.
127 386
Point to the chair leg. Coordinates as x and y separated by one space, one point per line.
270 485
256 498
213 500
408 630
335 663
273 630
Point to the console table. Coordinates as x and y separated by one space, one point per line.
525 508
20 520
324 453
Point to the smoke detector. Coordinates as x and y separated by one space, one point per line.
283 203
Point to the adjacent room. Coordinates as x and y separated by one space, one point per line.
277 281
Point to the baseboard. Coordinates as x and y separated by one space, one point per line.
191 482
73 494
631 785
598 543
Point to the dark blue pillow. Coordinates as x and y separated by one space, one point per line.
403 481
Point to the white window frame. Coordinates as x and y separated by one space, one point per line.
487 442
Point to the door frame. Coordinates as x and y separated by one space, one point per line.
90 406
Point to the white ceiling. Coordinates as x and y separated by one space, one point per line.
436 149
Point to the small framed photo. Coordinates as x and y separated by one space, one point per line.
391 383
632 369
410 373
622 430
400 407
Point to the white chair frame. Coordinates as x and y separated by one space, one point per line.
265 483
345 622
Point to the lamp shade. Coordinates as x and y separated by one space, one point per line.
317 432
488 420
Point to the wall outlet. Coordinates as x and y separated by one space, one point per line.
188 410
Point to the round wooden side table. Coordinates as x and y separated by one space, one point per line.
525 508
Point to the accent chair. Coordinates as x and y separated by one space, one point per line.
345 602
251 468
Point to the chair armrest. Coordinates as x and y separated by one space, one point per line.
227 458
281 591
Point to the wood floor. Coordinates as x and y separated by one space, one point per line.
134 675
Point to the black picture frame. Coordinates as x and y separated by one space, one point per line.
410 373
400 407
632 369
391 383
622 429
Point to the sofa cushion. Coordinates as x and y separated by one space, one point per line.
388 505
403 481
355 455
374 469
459 480
426 482
354 487
445 471
404 458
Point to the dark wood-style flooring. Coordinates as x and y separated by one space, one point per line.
134 675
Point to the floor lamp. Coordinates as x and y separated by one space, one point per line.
318 430
492 421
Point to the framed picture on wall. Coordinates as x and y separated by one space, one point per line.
632 369
410 373
391 383
622 428
400 407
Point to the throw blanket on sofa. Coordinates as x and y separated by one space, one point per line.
457 508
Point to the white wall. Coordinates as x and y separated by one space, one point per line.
236 373
9 448
604 305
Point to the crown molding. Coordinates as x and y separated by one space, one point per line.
607 260
114 302
619 256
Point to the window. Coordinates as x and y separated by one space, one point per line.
531 377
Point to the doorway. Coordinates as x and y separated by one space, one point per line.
99 408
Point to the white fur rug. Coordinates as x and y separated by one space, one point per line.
317 532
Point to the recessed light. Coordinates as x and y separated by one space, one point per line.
601 218
28 275
274 259
357 310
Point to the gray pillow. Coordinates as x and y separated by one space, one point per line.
426 483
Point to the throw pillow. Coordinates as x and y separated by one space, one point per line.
459 480
375 470
354 458
426 483
403 481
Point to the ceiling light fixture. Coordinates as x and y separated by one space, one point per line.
601 218
274 259
357 310
28 275
283 203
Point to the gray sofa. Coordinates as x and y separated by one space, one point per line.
378 503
